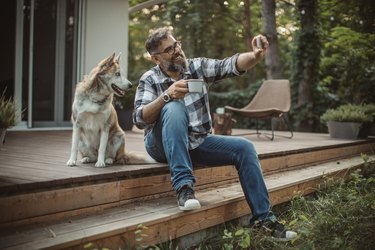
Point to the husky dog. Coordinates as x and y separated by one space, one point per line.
96 132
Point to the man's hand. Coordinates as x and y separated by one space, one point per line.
259 52
249 59
178 89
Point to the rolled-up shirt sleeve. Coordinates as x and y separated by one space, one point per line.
216 70
137 118
145 94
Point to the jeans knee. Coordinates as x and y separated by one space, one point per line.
245 146
175 110
246 152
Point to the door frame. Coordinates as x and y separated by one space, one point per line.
59 81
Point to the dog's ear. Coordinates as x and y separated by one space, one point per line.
117 59
108 62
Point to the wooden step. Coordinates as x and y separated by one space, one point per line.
115 227
91 194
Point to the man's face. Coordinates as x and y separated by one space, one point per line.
170 56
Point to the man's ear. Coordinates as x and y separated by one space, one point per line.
155 59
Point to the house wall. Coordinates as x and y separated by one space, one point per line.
105 32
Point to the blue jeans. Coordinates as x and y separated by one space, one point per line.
168 142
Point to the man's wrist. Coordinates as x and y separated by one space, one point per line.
166 97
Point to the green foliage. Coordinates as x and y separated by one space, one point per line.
8 114
340 217
348 71
239 240
346 25
350 113
357 15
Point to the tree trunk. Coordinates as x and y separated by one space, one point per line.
269 29
246 21
308 58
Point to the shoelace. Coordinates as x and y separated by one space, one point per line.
278 226
189 194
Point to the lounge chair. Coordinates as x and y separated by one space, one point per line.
272 100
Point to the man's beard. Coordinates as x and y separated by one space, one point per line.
175 66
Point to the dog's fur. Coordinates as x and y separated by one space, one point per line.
96 132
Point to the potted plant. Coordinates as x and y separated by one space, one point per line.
346 120
8 115
124 107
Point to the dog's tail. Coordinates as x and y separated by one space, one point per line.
135 158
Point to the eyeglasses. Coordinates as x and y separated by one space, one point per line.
171 49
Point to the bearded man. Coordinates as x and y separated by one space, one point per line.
177 124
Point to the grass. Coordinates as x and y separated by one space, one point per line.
341 216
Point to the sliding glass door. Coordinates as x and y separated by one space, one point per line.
47 60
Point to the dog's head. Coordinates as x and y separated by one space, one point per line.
112 75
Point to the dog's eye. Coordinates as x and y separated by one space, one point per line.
117 74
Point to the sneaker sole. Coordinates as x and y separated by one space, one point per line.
191 204
289 236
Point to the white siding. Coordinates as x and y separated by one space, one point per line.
105 32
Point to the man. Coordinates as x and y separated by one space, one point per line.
178 124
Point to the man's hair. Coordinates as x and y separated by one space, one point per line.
155 38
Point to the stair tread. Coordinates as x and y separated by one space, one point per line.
123 218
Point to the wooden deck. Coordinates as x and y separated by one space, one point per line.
46 205
37 159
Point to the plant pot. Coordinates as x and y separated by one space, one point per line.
125 119
2 136
344 130
365 130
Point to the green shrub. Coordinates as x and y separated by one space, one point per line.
350 113
8 114
339 217
347 68
369 110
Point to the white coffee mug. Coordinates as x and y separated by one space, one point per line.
195 85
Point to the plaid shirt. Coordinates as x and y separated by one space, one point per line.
154 82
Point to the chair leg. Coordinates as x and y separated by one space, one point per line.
273 130
288 124
257 127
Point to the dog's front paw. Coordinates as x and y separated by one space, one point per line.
71 163
100 164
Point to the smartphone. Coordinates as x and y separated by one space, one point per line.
259 42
